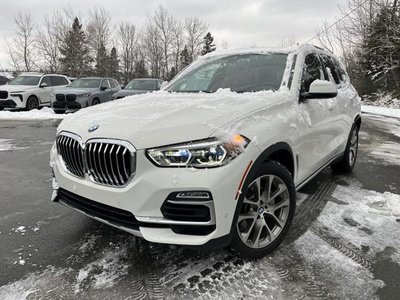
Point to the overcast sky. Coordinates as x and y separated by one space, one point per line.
241 23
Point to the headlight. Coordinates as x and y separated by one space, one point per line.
84 95
199 154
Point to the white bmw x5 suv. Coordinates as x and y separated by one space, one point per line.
214 159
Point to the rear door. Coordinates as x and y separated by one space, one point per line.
317 139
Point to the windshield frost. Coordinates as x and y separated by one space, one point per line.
85 83
25 80
239 73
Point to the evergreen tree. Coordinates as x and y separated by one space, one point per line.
140 69
171 74
114 64
380 53
75 59
102 62
185 58
208 45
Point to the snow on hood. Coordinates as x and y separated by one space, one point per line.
163 118
14 88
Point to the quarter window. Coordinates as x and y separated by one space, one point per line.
312 71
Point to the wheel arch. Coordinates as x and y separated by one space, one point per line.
357 121
280 152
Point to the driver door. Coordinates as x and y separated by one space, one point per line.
45 93
316 140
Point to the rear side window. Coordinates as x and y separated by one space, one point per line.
312 71
46 80
58 80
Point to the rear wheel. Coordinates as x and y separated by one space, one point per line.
348 161
265 212
1 108
32 103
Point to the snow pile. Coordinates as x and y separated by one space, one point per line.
388 152
385 111
35 114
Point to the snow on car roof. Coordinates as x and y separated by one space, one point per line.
261 50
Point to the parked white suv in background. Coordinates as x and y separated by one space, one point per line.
216 158
31 90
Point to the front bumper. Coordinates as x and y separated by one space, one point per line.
66 106
151 187
13 102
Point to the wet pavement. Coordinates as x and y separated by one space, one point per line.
344 242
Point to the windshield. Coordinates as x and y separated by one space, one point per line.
148 85
85 83
25 80
239 73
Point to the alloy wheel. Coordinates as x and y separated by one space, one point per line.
264 212
353 147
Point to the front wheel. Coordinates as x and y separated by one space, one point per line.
32 103
265 212
346 164
95 101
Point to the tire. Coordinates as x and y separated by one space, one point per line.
346 164
32 103
1 108
95 101
258 228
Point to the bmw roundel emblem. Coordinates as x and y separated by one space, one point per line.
93 128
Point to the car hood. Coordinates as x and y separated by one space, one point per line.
125 93
14 88
162 118
74 91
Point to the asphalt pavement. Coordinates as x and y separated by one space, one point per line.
344 242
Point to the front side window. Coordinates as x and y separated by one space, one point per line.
25 80
85 83
105 84
312 71
240 73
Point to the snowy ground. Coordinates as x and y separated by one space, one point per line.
343 245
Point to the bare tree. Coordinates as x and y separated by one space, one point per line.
98 28
178 43
165 25
21 50
151 41
195 31
287 41
127 40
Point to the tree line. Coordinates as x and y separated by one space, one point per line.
159 48
367 36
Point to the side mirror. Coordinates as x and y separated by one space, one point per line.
122 87
103 88
320 89
43 85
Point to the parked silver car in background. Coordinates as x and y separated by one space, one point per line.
139 86
84 92
31 90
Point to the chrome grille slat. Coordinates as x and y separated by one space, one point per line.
106 161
